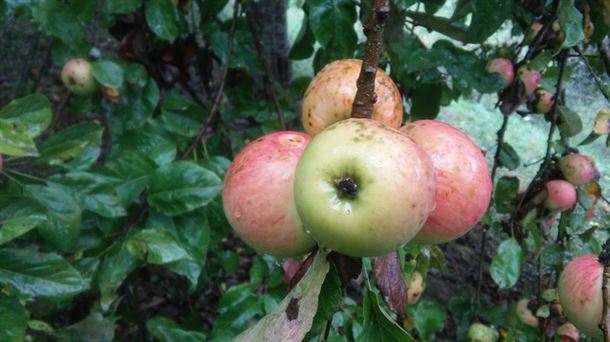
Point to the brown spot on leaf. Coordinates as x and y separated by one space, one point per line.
292 310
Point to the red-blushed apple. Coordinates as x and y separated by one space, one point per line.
567 332
479 332
580 294
258 195
578 169
530 79
463 182
541 101
504 67
331 93
561 195
363 188
77 77
416 288
524 314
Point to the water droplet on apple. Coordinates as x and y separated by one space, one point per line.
307 231
237 213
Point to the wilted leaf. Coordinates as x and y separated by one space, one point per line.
391 283
293 317
38 274
505 266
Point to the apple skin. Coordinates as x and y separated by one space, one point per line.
77 77
481 333
463 181
561 195
580 294
504 67
542 101
530 79
567 332
578 169
394 183
258 195
330 95
525 315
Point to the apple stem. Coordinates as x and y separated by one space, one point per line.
347 187
373 29
604 259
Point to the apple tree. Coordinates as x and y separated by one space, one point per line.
304 170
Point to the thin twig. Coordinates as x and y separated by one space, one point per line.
220 92
268 78
604 259
191 92
598 82
373 29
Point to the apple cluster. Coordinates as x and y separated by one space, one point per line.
361 187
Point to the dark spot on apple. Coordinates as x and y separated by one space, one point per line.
346 187
292 310
71 81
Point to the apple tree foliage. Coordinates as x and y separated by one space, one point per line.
111 222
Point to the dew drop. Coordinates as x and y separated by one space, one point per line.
307 231
237 213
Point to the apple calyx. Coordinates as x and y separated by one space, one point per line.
346 187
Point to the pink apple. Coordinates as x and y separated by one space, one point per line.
567 332
578 169
504 67
561 195
530 79
524 314
463 182
331 93
258 195
580 294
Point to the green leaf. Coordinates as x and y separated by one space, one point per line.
237 307
161 17
293 317
132 171
553 254
505 266
15 143
137 103
155 246
58 20
76 147
426 100
166 330
182 187
181 116
570 123
30 114
509 157
304 44
15 227
378 325
429 319
115 267
13 319
94 328
332 22
62 209
570 20
506 189
152 140
487 17
329 301
38 274
107 73
122 6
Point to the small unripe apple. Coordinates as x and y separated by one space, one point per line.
504 67
258 195
561 195
479 332
77 77
330 95
363 189
530 79
524 314
578 169
416 288
580 294
568 333
541 101
463 181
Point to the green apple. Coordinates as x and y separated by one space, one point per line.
363 189
481 333
77 77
